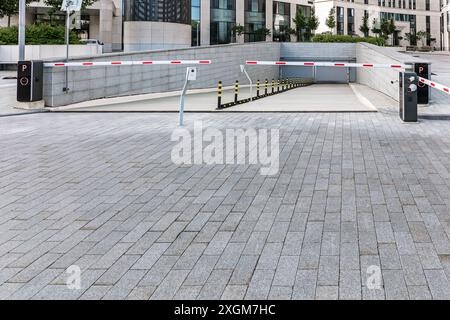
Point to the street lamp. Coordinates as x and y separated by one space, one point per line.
21 40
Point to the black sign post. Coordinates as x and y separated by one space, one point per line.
423 92
29 81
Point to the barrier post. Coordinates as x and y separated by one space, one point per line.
278 85
258 85
266 84
408 85
191 75
282 85
273 86
236 91
219 95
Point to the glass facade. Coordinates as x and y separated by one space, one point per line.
350 21
340 20
255 20
196 22
223 19
281 21
176 11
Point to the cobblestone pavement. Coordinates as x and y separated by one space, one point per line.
354 192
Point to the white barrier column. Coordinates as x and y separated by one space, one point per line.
191 75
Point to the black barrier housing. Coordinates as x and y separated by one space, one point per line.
423 92
30 80
408 96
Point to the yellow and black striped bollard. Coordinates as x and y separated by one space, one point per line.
236 91
266 85
219 95
273 86
258 86
278 85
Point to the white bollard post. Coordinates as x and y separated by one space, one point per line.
191 75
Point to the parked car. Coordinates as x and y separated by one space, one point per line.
91 41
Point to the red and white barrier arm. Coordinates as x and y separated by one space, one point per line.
435 85
328 64
125 63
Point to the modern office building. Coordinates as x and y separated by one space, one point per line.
410 16
132 25
156 24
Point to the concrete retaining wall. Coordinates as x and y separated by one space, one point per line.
380 79
100 82
10 53
318 51
339 52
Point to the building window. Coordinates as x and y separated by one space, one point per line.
340 20
196 22
255 20
281 21
176 11
350 21
223 19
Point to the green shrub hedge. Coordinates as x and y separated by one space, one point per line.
343 38
43 33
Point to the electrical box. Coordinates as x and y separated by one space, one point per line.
408 96
30 81
192 74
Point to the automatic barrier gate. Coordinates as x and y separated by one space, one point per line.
26 81
408 84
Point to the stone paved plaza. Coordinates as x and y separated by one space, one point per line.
99 191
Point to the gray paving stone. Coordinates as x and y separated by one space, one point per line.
244 270
394 285
346 198
327 292
170 285
419 293
350 285
234 292
202 270
305 285
328 271
215 285
280 293
439 284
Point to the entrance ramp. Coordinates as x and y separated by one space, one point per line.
314 98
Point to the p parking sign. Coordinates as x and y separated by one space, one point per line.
29 81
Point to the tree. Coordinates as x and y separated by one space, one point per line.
365 26
421 35
300 24
387 28
375 28
10 8
412 38
392 29
312 23
237 30
262 33
331 19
